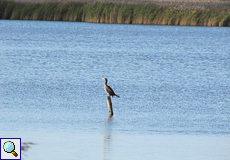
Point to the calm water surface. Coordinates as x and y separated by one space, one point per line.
174 84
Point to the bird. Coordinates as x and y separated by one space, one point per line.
108 89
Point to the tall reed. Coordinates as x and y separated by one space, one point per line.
108 12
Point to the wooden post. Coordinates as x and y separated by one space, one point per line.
109 102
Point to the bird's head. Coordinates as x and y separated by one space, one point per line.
105 79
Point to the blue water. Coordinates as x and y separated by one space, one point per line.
173 83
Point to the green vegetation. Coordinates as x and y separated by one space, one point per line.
108 12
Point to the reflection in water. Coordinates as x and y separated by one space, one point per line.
107 137
25 146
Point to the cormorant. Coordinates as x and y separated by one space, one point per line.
108 89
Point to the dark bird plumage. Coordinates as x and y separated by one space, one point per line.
108 89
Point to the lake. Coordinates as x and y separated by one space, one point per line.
173 83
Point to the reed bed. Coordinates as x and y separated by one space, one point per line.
122 13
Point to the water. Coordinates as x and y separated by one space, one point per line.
174 84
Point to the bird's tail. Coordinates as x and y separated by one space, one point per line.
117 96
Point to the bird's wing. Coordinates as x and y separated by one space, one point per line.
110 90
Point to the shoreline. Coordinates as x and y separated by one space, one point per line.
117 13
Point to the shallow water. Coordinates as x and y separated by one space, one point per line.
173 82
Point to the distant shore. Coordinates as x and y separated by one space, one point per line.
188 13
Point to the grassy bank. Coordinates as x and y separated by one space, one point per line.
109 12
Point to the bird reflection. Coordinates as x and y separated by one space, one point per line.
107 137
